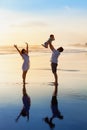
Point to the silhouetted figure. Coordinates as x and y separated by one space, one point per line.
26 105
54 58
26 63
51 38
54 61
54 106
55 110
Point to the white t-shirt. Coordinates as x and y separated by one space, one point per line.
55 55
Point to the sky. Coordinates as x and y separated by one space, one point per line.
33 21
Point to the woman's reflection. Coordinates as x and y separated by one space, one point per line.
26 105
54 108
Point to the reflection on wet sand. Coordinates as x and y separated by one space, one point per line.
54 108
26 105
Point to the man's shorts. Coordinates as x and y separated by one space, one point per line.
54 67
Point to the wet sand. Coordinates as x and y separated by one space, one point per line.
72 91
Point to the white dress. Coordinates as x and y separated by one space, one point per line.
26 62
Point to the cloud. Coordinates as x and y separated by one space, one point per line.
28 24
21 20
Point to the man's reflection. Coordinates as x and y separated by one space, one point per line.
54 108
26 104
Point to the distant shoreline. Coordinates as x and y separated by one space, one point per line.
79 45
74 48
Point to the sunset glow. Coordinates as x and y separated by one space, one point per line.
33 21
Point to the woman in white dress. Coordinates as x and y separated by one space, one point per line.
26 63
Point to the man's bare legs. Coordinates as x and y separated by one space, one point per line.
55 92
56 79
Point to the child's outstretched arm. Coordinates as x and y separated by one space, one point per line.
17 49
